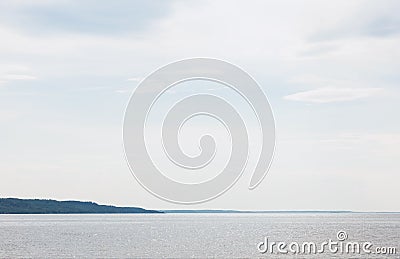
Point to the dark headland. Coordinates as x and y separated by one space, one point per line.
36 206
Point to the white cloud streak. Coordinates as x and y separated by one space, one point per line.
11 77
331 94
135 79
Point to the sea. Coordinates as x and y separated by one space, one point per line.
237 235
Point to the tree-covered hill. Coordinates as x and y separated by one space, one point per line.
36 206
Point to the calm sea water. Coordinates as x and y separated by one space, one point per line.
187 235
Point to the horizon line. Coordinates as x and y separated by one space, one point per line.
204 211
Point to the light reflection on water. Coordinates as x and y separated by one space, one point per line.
185 235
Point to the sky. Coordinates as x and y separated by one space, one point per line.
330 70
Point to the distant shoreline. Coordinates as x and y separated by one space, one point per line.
45 206
276 212
42 206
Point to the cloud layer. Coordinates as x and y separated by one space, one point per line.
67 69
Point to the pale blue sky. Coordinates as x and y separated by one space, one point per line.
329 68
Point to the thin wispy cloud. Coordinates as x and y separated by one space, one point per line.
135 79
11 77
352 138
12 72
15 77
331 94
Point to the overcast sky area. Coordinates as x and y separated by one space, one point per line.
331 70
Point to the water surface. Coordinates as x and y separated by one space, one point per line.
186 235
